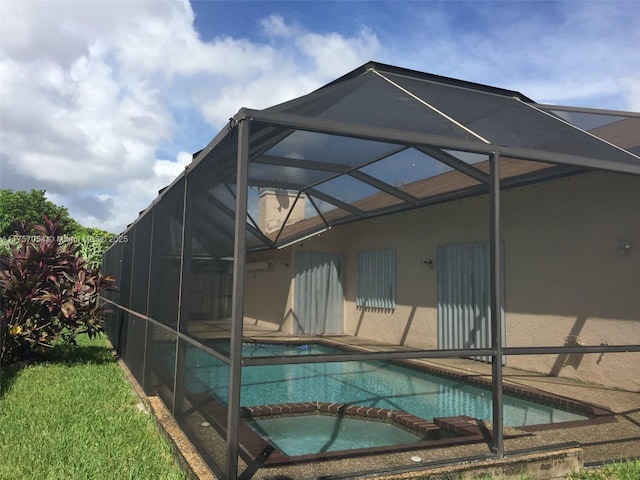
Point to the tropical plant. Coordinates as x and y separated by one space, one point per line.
49 293
91 249
6 243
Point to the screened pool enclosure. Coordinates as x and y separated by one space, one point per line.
225 255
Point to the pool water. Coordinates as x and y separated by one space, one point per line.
374 384
323 433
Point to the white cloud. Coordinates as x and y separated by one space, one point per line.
97 97
560 52
135 195
275 26
630 86
295 63
84 101
168 169
334 55
79 125
88 91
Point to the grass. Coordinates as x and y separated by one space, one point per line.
75 417
629 470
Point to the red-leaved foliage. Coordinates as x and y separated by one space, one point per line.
48 294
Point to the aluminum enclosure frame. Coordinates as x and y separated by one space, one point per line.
496 284
491 184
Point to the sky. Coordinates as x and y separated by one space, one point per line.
102 103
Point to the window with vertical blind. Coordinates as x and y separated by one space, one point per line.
377 279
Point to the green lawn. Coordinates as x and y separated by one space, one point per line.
75 417
629 470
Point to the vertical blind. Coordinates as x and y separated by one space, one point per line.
318 298
464 293
377 279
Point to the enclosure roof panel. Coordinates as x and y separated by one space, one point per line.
383 96
371 100
619 128
383 139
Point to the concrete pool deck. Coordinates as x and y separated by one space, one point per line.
614 439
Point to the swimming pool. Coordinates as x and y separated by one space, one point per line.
370 384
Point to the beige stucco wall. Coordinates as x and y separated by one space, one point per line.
269 293
566 281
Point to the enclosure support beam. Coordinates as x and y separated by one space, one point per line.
237 313
119 315
148 326
496 306
185 271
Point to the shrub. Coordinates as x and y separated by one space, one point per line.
6 243
91 248
48 293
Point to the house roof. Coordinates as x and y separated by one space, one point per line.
383 139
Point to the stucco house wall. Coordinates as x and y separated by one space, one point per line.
569 279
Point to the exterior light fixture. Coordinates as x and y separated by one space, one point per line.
623 248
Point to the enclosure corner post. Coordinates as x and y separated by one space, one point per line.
496 306
237 313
